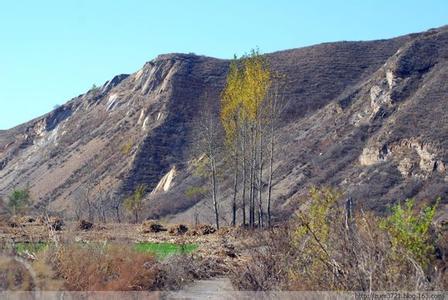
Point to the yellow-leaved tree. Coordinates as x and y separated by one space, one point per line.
244 116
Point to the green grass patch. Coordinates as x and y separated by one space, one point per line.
162 250
30 247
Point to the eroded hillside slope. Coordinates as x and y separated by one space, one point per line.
369 117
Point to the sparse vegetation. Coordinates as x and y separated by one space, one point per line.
194 191
126 148
94 88
77 265
30 247
103 267
19 200
134 203
330 246
410 231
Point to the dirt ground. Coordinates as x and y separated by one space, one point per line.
226 246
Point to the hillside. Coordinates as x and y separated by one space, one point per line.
369 117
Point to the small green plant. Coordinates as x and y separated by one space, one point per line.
126 148
316 220
94 88
30 247
134 203
409 230
313 235
19 200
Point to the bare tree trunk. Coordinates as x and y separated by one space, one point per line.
252 178
260 181
136 216
251 192
210 143
117 214
235 185
254 169
271 162
243 197
215 202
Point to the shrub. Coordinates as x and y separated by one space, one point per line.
328 246
149 226
269 262
178 229
85 225
55 223
409 230
95 88
126 148
134 203
105 268
313 233
19 200
14 276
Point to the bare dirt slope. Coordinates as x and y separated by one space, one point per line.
369 117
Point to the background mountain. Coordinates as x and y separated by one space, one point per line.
368 117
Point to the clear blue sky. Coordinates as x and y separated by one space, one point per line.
51 51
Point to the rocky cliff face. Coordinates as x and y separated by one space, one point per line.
369 117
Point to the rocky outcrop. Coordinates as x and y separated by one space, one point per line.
408 154
165 183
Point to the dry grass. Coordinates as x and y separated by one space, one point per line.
15 276
106 258
94 267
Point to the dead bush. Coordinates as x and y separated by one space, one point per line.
14 223
149 226
205 229
55 223
178 229
201 229
268 264
85 225
22 221
105 268
27 219
14 276
177 270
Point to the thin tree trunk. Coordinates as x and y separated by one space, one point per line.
243 197
271 162
260 182
235 185
235 178
251 182
251 191
215 202
254 161
274 114
117 214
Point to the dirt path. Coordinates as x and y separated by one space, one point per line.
214 288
